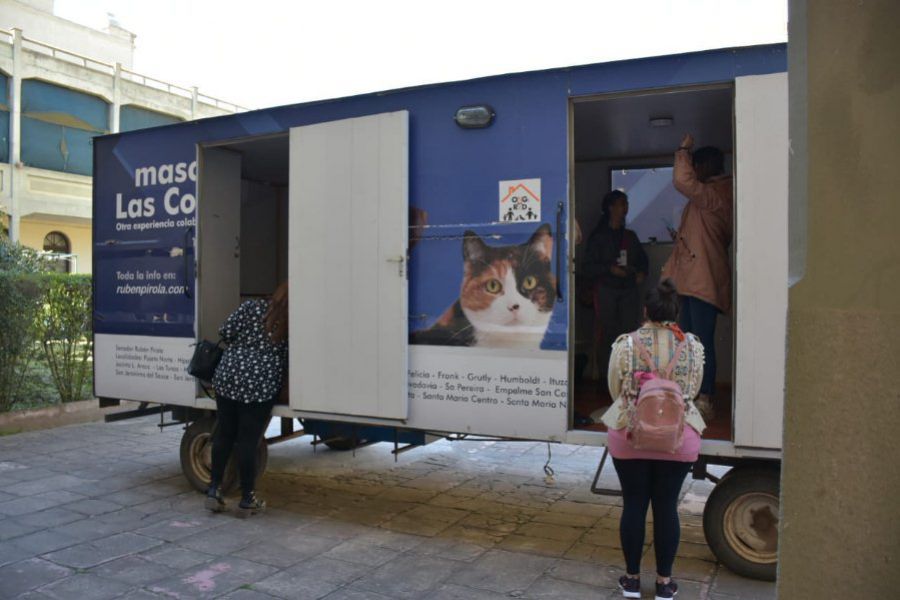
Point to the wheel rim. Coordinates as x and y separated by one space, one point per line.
201 456
751 527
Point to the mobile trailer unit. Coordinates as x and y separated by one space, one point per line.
379 210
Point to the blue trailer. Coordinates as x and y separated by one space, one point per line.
373 206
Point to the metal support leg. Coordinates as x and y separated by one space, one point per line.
599 490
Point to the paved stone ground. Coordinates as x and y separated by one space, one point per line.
102 511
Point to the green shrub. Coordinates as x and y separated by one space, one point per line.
16 258
45 341
63 327
21 299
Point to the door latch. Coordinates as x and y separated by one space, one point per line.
401 261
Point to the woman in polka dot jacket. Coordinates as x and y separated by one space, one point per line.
247 382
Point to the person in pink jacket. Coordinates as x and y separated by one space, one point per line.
699 263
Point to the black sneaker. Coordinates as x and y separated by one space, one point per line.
214 500
630 586
666 591
250 505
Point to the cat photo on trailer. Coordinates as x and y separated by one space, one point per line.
506 297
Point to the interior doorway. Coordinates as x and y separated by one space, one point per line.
242 225
626 142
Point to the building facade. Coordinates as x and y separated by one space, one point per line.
61 84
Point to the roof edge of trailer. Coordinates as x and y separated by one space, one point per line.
425 86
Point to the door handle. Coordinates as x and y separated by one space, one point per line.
400 260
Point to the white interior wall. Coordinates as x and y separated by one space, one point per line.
260 237
218 238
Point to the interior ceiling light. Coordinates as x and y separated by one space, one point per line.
661 121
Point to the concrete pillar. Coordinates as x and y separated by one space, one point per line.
840 495
115 113
15 137
195 101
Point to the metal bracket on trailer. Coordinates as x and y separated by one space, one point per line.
142 410
699 471
287 432
599 490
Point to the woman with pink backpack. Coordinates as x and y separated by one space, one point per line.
654 432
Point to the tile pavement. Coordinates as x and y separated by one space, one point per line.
102 511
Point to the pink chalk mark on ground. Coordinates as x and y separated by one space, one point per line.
182 524
205 580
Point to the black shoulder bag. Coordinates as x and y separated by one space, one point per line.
205 360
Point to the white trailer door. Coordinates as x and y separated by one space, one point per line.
761 116
218 239
347 266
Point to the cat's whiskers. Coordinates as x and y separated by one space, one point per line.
462 330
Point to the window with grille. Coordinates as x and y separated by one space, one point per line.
56 243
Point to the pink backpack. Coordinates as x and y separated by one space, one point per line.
657 416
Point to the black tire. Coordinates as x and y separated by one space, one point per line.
196 458
262 458
740 521
342 444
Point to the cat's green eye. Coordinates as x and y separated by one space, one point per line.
493 286
529 283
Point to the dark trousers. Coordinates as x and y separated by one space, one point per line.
699 317
645 482
616 311
239 426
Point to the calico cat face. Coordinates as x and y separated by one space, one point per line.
508 289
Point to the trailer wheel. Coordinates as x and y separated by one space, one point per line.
740 521
196 452
196 457
262 458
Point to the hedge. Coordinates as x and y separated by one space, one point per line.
21 299
64 330
48 317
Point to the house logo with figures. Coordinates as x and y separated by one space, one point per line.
520 200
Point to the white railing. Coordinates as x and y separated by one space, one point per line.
222 104
8 37
158 84
67 56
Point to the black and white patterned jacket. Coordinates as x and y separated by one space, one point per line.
252 366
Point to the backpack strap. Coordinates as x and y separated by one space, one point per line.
644 353
667 373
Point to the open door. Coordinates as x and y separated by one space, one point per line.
347 266
218 239
761 131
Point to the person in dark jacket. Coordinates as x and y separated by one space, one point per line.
247 381
615 263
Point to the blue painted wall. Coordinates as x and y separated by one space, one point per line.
134 117
58 125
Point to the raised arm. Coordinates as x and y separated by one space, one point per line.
684 177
